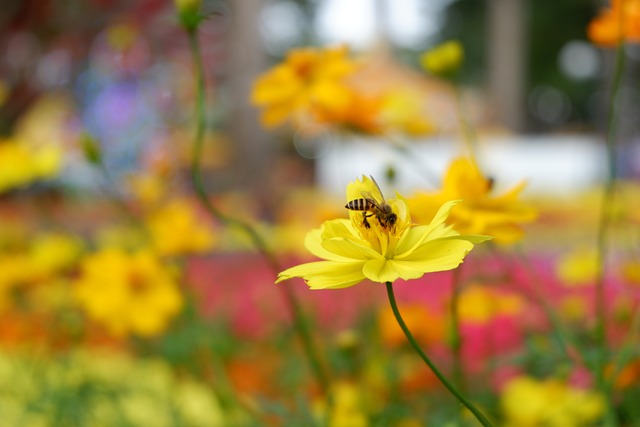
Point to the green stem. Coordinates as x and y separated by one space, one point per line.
566 340
467 130
452 389
456 336
300 324
603 228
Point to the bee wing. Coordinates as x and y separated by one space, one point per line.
371 199
378 196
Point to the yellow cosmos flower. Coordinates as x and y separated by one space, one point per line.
528 402
308 79
176 229
479 212
381 252
128 293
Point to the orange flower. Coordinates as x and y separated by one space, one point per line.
358 114
621 21
427 327
308 79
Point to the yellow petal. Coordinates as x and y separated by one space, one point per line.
437 255
418 235
313 243
349 247
380 270
326 274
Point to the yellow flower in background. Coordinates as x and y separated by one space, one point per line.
443 60
176 230
359 113
528 402
578 267
308 79
379 248
128 293
347 407
53 252
403 113
480 304
21 164
479 212
620 22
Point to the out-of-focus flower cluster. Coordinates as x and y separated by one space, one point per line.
327 88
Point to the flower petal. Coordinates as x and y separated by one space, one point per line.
439 255
416 236
313 243
380 270
326 274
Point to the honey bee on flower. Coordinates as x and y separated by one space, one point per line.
353 250
374 206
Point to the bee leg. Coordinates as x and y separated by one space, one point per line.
364 220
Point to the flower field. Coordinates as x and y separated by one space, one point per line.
170 255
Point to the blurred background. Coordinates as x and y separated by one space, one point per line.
123 73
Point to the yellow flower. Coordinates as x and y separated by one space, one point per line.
53 252
128 293
479 212
347 407
21 164
480 304
402 112
528 402
444 59
308 79
382 251
359 113
579 267
176 229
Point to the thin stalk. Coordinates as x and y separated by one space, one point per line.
455 335
566 340
467 130
603 228
452 389
300 324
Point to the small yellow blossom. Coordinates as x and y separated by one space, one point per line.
347 406
528 402
128 293
308 79
381 252
444 59
403 113
620 22
21 164
53 252
479 212
121 36
578 268
187 5
480 304
177 230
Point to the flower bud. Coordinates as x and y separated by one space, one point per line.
443 60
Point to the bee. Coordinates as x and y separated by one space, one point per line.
372 207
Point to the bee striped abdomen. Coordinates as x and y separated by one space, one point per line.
359 205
